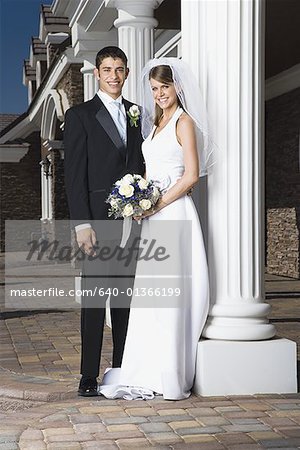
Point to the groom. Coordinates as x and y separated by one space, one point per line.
101 146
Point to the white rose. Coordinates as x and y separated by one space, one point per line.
143 184
113 202
155 192
128 210
134 111
127 179
145 204
127 190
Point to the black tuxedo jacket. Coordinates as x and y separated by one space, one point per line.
95 157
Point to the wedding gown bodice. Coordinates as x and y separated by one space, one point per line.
164 155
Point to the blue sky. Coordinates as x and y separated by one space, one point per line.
19 20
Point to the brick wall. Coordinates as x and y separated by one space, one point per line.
21 187
283 184
72 84
283 242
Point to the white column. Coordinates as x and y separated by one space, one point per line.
136 25
90 83
46 187
44 194
229 65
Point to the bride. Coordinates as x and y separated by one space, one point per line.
160 350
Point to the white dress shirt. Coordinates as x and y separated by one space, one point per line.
109 104
117 111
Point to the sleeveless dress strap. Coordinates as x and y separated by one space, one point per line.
177 114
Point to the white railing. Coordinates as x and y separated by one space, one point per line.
171 48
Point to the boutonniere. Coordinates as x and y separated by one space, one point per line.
134 115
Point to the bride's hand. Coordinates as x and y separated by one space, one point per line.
157 207
145 214
138 219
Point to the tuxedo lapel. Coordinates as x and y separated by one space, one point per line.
107 123
130 130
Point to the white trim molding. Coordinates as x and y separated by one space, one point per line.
58 72
53 109
283 82
21 130
173 43
13 153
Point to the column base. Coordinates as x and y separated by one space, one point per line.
246 368
243 321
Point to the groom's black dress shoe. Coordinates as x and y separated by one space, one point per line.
88 387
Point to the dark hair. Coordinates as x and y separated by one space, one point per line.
163 74
113 52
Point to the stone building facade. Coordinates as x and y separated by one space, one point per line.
283 184
20 183
20 192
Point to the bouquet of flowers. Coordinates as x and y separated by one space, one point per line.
132 195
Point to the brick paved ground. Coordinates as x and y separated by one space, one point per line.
214 423
39 407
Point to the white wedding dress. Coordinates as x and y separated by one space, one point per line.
161 343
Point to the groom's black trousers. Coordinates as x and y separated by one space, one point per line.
99 277
92 326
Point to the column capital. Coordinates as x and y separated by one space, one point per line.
88 67
142 8
125 20
136 13
135 24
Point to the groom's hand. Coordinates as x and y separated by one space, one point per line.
86 240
